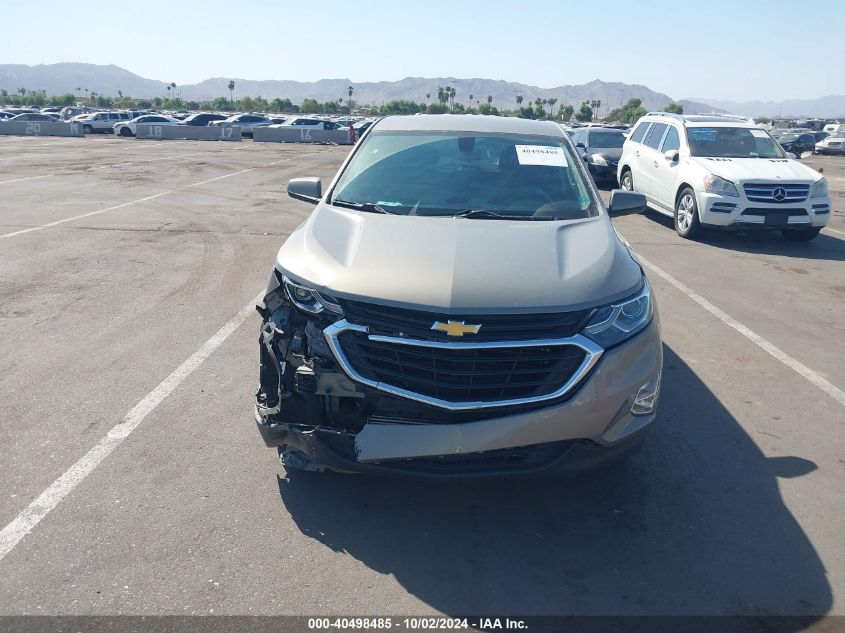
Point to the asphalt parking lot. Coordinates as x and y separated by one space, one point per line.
127 272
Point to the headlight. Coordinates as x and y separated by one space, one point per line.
309 300
616 322
819 189
714 184
598 159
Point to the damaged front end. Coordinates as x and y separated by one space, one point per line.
302 391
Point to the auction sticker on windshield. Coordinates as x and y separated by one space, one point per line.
547 155
759 133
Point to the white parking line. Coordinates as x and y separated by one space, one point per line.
32 515
148 198
832 390
4 182
827 228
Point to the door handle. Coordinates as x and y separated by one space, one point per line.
637 154
655 163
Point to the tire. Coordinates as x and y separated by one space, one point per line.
125 131
627 182
687 223
800 235
87 129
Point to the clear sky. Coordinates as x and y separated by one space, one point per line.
737 50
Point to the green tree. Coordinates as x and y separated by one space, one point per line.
486 108
585 113
628 113
674 108
221 103
526 113
437 108
310 106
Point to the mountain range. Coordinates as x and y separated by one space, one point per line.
108 80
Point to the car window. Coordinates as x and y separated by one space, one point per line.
732 142
606 139
807 138
654 135
447 173
672 141
639 132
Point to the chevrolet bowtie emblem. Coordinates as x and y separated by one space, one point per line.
455 328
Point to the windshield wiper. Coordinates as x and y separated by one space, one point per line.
370 207
486 213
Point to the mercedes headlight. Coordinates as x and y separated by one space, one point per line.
598 159
715 184
614 323
309 300
819 189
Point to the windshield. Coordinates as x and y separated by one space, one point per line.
448 173
732 142
609 140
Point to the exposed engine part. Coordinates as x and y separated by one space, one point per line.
304 380
273 347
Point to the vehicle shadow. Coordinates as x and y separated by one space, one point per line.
692 525
764 242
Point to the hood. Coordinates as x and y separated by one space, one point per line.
613 153
757 169
458 264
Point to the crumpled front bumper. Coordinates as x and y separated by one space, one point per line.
592 426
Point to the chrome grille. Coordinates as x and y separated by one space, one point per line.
461 375
765 192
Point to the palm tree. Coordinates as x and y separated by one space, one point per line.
168 91
519 100
427 96
452 93
552 103
232 91
490 100
441 95
470 101
349 91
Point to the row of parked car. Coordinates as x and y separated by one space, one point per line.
124 122
830 140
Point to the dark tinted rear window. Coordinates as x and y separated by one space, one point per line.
606 139
654 135
639 132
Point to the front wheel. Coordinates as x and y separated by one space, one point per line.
125 131
87 129
687 223
627 182
800 235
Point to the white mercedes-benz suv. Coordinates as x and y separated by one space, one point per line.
721 171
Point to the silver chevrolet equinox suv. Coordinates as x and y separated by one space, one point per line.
458 305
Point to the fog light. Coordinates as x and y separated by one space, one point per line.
646 397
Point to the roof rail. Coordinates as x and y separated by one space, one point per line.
671 114
725 115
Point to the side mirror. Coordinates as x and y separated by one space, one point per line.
626 202
790 155
672 155
306 189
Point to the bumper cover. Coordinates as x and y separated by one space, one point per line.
738 212
595 422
